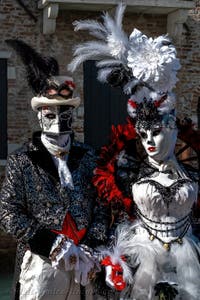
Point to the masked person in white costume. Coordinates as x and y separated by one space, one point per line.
156 256
47 197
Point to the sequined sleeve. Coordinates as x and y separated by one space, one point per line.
14 217
98 214
84 195
99 228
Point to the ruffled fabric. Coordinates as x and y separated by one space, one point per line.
153 61
57 145
152 264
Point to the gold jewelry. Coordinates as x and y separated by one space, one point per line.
167 246
151 237
61 154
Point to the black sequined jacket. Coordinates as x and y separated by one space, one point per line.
32 201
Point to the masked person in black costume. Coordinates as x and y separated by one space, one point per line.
47 196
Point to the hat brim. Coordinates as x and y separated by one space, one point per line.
38 102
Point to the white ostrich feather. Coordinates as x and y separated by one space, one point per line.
103 74
81 58
95 28
168 105
119 14
143 60
117 39
153 61
119 249
112 41
91 47
108 62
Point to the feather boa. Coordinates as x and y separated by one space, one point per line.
104 178
104 174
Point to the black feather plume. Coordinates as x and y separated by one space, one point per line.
39 68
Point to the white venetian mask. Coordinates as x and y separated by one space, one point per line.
159 142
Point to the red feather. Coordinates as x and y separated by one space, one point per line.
104 178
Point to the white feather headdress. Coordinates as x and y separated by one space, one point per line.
143 67
127 61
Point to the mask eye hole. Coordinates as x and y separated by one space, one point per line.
143 134
50 116
51 92
64 92
157 132
64 116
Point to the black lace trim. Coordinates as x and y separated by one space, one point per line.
167 192
146 170
140 214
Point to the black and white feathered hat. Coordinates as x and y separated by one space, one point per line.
43 77
145 68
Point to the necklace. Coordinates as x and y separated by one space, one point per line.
185 223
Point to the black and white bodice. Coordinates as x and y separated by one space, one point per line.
164 204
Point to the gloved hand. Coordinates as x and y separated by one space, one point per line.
109 282
114 274
64 254
88 266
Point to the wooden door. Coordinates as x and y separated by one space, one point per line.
104 106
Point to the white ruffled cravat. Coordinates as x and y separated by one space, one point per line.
59 149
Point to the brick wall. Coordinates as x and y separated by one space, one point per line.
188 88
15 23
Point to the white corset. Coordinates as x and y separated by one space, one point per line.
164 211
